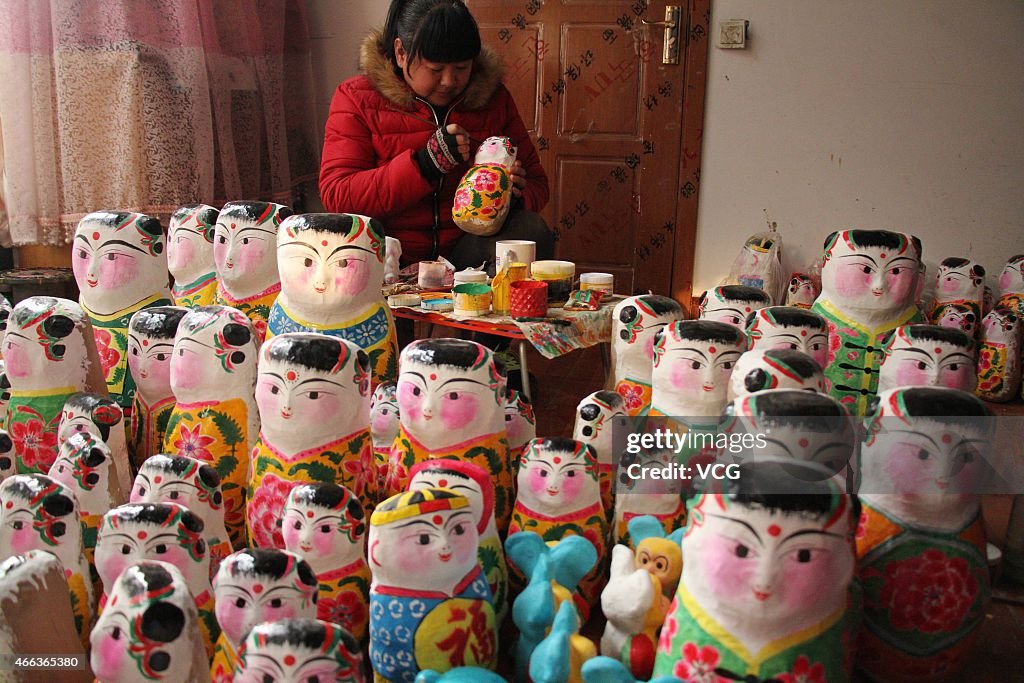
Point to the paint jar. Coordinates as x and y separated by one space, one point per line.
529 299
502 302
604 282
514 251
558 275
472 299
431 274
470 276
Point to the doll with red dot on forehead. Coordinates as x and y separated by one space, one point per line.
636 322
959 292
190 255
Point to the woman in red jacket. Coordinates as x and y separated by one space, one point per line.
399 137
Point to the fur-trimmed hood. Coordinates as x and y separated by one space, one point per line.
486 76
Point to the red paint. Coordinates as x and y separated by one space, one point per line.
711 349
95 235
946 438
141 535
557 460
437 519
774 530
433 376
291 375
803 443
289 660
309 513
323 243
258 588
443 483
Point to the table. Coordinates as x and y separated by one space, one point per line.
559 334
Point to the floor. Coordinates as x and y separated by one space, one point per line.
999 650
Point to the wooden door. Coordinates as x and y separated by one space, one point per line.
618 131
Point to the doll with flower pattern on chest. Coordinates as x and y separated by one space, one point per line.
430 605
151 334
325 524
868 288
254 586
332 270
636 321
384 425
245 256
559 495
213 373
120 265
313 393
190 255
999 355
451 405
46 354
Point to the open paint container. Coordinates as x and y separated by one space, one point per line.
472 299
558 275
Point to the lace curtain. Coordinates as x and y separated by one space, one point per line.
146 105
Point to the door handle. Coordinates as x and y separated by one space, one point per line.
670 50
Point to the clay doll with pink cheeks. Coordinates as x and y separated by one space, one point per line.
801 292
245 256
520 423
559 495
46 356
149 630
384 425
151 335
642 495
299 651
38 513
783 327
766 584
595 416
313 393
332 270
775 369
635 322
213 373
922 467
732 304
255 586
868 287
451 404
189 482
101 418
927 356
959 290
999 357
693 362
471 481
1011 285
120 266
325 524
164 532
430 605
190 255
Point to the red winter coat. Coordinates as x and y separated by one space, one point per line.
376 124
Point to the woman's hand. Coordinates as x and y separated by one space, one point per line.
517 175
461 139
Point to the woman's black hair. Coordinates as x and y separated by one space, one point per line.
436 30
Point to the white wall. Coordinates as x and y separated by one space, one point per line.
905 115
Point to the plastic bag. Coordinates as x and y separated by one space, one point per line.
759 264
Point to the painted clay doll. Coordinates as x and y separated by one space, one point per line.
38 513
102 418
164 532
801 292
636 321
484 194
151 334
255 586
5 389
639 592
520 423
559 657
32 584
641 495
313 394
451 404
245 256
474 483
463 674
765 591
927 356
384 427
8 464
325 524
430 605
121 267
595 415
868 285
1011 285
959 290
775 369
732 304
332 270
190 255
999 355
5 313
213 372
922 464
299 651
783 327
46 354
559 495
392 259
194 484
149 630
